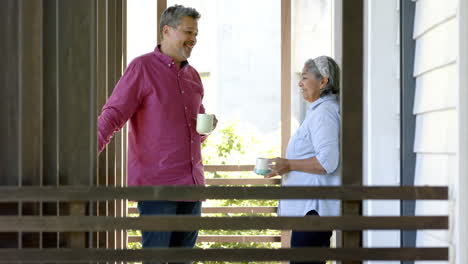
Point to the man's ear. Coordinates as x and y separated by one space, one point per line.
165 30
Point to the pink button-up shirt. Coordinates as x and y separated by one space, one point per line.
162 103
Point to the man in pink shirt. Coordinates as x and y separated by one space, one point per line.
161 94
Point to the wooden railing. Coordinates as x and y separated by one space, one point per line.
82 223
230 209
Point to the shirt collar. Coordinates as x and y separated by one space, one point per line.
168 61
325 98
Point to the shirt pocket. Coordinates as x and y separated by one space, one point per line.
303 143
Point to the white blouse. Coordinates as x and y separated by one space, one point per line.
318 136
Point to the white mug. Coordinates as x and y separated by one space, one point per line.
262 166
204 123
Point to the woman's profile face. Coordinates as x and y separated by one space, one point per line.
310 86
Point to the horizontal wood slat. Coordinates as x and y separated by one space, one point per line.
181 254
245 181
186 223
228 210
29 193
225 239
215 168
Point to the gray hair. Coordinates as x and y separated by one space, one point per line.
172 15
324 66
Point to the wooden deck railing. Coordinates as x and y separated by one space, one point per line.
231 209
82 223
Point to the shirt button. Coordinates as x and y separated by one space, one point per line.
192 141
169 65
185 108
192 158
182 91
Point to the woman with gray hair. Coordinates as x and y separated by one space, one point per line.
312 156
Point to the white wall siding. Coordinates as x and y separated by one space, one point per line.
436 132
430 13
435 69
435 91
436 48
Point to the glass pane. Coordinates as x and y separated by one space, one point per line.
141 28
311 37
239 61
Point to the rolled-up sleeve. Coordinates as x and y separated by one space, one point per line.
125 99
325 136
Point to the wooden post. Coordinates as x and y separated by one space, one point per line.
10 106
101 73
285 74
352 112
77 102
50 112
286 6
30 104
161 5
21 109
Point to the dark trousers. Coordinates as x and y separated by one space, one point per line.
310 239
157 239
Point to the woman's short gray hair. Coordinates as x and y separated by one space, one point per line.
324 66
172 15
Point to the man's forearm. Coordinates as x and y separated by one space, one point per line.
310 165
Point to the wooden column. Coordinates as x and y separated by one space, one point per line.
49 101
286 52
101 72
30 76
76 97
161 5
50 112
352 111
111 165
10 138
21 109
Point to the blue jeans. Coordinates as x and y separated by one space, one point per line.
157 239
310 239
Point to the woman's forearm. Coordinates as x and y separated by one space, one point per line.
310 165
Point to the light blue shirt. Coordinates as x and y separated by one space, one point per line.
318 136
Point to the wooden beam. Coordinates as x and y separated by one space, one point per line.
77 111
187 223
285 74
225 239
31 106
242 181
10 133
214 168
239 210
228 210
352 111
50 112
101 74
29 193
182 254
161 5
76 45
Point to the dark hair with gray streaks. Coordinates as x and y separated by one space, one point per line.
172 15
324 66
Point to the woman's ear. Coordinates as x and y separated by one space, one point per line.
323 83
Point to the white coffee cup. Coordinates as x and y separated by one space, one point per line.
204 123
262 166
